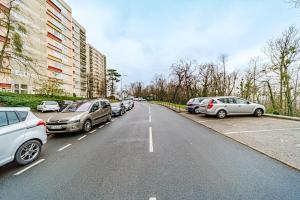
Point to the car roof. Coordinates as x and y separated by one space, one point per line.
14 109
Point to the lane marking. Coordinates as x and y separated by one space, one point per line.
113 120
149 110
81 137
258 131
30 166
150 140
152 198
64 147
101 127
108 123
297 145
93 131
150 118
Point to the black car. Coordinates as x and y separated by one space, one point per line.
118 108
63 104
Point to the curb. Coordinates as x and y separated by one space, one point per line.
282 117
227 136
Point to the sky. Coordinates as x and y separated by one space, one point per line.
141 38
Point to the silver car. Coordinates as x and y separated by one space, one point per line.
22 135
230 105
80 116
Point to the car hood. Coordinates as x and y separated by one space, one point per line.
64 117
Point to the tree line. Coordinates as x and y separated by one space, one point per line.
272 79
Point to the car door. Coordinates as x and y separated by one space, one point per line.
229 105
105 106
96 113
244 106
12 134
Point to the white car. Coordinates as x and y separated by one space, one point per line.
48 106
22 135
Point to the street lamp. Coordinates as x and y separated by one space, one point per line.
122 85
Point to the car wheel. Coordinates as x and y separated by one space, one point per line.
197 110
108 118
258 112
87 126
221 114
28 152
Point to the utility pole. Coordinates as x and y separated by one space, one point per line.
122 85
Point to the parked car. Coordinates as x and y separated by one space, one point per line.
63 104
80 116
229 105
128 104
118 109
192 106
48 106
22 135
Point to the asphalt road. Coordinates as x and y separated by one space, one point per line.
184 160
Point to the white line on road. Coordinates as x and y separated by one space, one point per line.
64 147
258 131
152 198
150 140
93 131
30 166
108 123
113 120
150 118
101 126
297 145
149 110
81 137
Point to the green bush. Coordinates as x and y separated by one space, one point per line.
30 100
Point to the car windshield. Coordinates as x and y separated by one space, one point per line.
78 107
51 103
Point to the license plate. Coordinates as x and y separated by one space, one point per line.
55 127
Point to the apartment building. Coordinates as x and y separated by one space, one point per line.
15 77
60 44
79 60
96 73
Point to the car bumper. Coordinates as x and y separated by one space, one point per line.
64 128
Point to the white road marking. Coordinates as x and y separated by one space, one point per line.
81 137
258 131
108 123
149 110
30 166
113 120
150 118
101 127
150 140
297 145
64 147
152 198
93 131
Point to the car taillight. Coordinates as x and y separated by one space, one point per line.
210 104
41 123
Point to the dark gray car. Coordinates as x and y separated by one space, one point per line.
80 116
192 106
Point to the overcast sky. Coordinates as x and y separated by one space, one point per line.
144 37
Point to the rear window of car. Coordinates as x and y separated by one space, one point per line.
23 115
227 100
12 117
3 119
51 103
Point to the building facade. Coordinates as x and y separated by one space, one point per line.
96 73
79 60
60 44
15 76
59 51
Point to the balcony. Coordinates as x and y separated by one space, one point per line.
5 70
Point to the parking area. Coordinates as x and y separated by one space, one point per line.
277 138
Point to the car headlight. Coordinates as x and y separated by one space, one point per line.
74 121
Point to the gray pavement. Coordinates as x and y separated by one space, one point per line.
277 138
189 161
